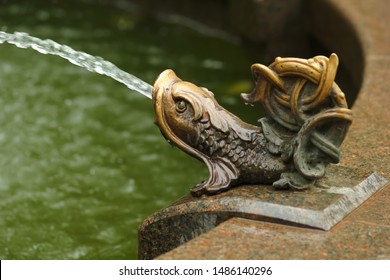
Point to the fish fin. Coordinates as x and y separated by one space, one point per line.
223 175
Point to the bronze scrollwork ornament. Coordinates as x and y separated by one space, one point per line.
306 120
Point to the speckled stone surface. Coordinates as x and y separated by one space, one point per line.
321 207
364 233
245 239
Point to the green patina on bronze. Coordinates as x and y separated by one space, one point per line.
306 120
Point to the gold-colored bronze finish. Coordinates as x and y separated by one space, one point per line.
306 121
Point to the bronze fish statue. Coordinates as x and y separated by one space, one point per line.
306 120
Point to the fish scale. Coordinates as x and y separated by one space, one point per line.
214 143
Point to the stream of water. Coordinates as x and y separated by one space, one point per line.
82 59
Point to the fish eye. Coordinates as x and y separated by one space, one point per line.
181 106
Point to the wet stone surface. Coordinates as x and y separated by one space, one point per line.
334 197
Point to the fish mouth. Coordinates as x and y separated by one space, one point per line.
160 96
162 99
164 83
161 92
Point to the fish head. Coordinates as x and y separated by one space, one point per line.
181 108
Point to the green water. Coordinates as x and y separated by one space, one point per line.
81 162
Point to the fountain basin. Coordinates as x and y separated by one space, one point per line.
83 165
